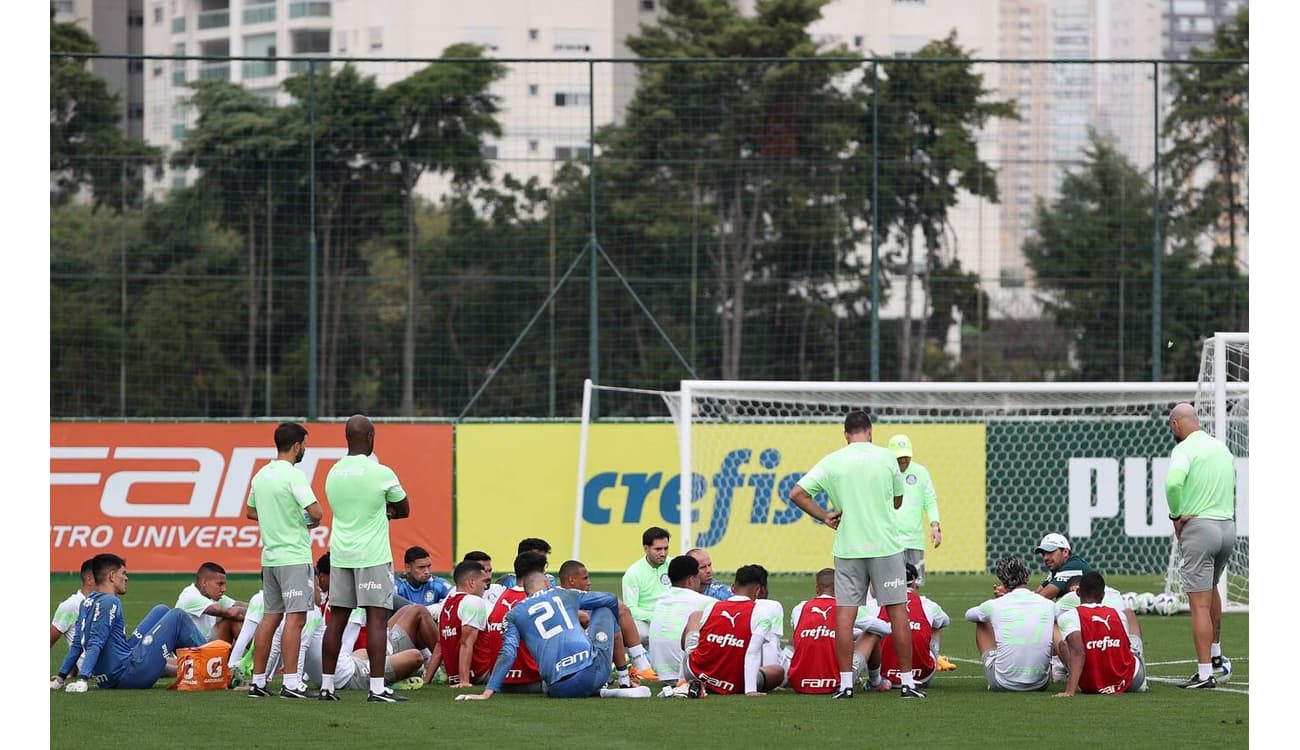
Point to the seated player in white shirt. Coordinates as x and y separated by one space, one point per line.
734 646
669 615
217 616
65 615
1013 631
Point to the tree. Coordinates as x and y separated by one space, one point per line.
439 117
349 126
1208 135
739 147
237 137
86 147
1091 255
929 115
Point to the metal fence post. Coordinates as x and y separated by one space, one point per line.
1157 343
875 223
313 304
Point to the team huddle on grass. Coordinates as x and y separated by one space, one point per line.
345 621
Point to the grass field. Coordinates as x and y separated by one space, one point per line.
959 712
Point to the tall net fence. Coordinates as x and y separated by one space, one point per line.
475 236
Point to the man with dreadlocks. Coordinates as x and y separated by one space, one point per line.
1014 631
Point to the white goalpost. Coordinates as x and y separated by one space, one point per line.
1011 462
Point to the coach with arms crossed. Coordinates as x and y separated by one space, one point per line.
1201 488
866 489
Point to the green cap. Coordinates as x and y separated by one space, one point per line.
901 445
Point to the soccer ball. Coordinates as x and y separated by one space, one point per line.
1130 600
1166 604
1224 672
1145 603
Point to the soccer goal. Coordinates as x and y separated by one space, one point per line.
1010 461
1223 405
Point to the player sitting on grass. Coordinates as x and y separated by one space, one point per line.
462 618
418 584
65 615
670 613
926 619
574 576
216 615
735 645
102 652
572 663
810 661
1013 631
1096 646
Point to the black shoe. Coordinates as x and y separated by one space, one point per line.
328 695
910 692
695 689
388 696
254 691
844 692
299 693
1196 683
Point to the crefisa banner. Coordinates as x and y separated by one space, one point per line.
170 496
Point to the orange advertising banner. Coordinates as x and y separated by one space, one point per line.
170 496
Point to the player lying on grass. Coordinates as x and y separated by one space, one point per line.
571 662
1096 646
102 652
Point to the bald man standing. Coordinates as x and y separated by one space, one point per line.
363 494
1201 488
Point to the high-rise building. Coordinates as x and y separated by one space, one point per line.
1191 23
117 26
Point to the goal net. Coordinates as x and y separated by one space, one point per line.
1010 462
1223 406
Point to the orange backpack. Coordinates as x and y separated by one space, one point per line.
202 667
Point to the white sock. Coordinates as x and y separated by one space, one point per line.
624 679
1215 650
908 679
637 655
1203 670
376 685
260 680
327 683
632 692
873 675
846 680
291 681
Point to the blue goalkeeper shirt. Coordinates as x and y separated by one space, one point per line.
547 621
431 591
99 647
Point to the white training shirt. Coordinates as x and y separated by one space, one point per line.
1022 627
667 621
65 615
194 603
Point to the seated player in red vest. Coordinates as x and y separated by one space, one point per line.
733 645
926 619
462 618
1096 647
811 666
523 676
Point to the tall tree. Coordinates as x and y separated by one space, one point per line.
236 139
734 144
87 149
349 124
1208 136
439 117
929 116
1091 255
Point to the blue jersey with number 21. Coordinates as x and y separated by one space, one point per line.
547 621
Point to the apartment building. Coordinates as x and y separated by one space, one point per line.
118 28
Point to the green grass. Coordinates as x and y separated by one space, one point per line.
958 713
